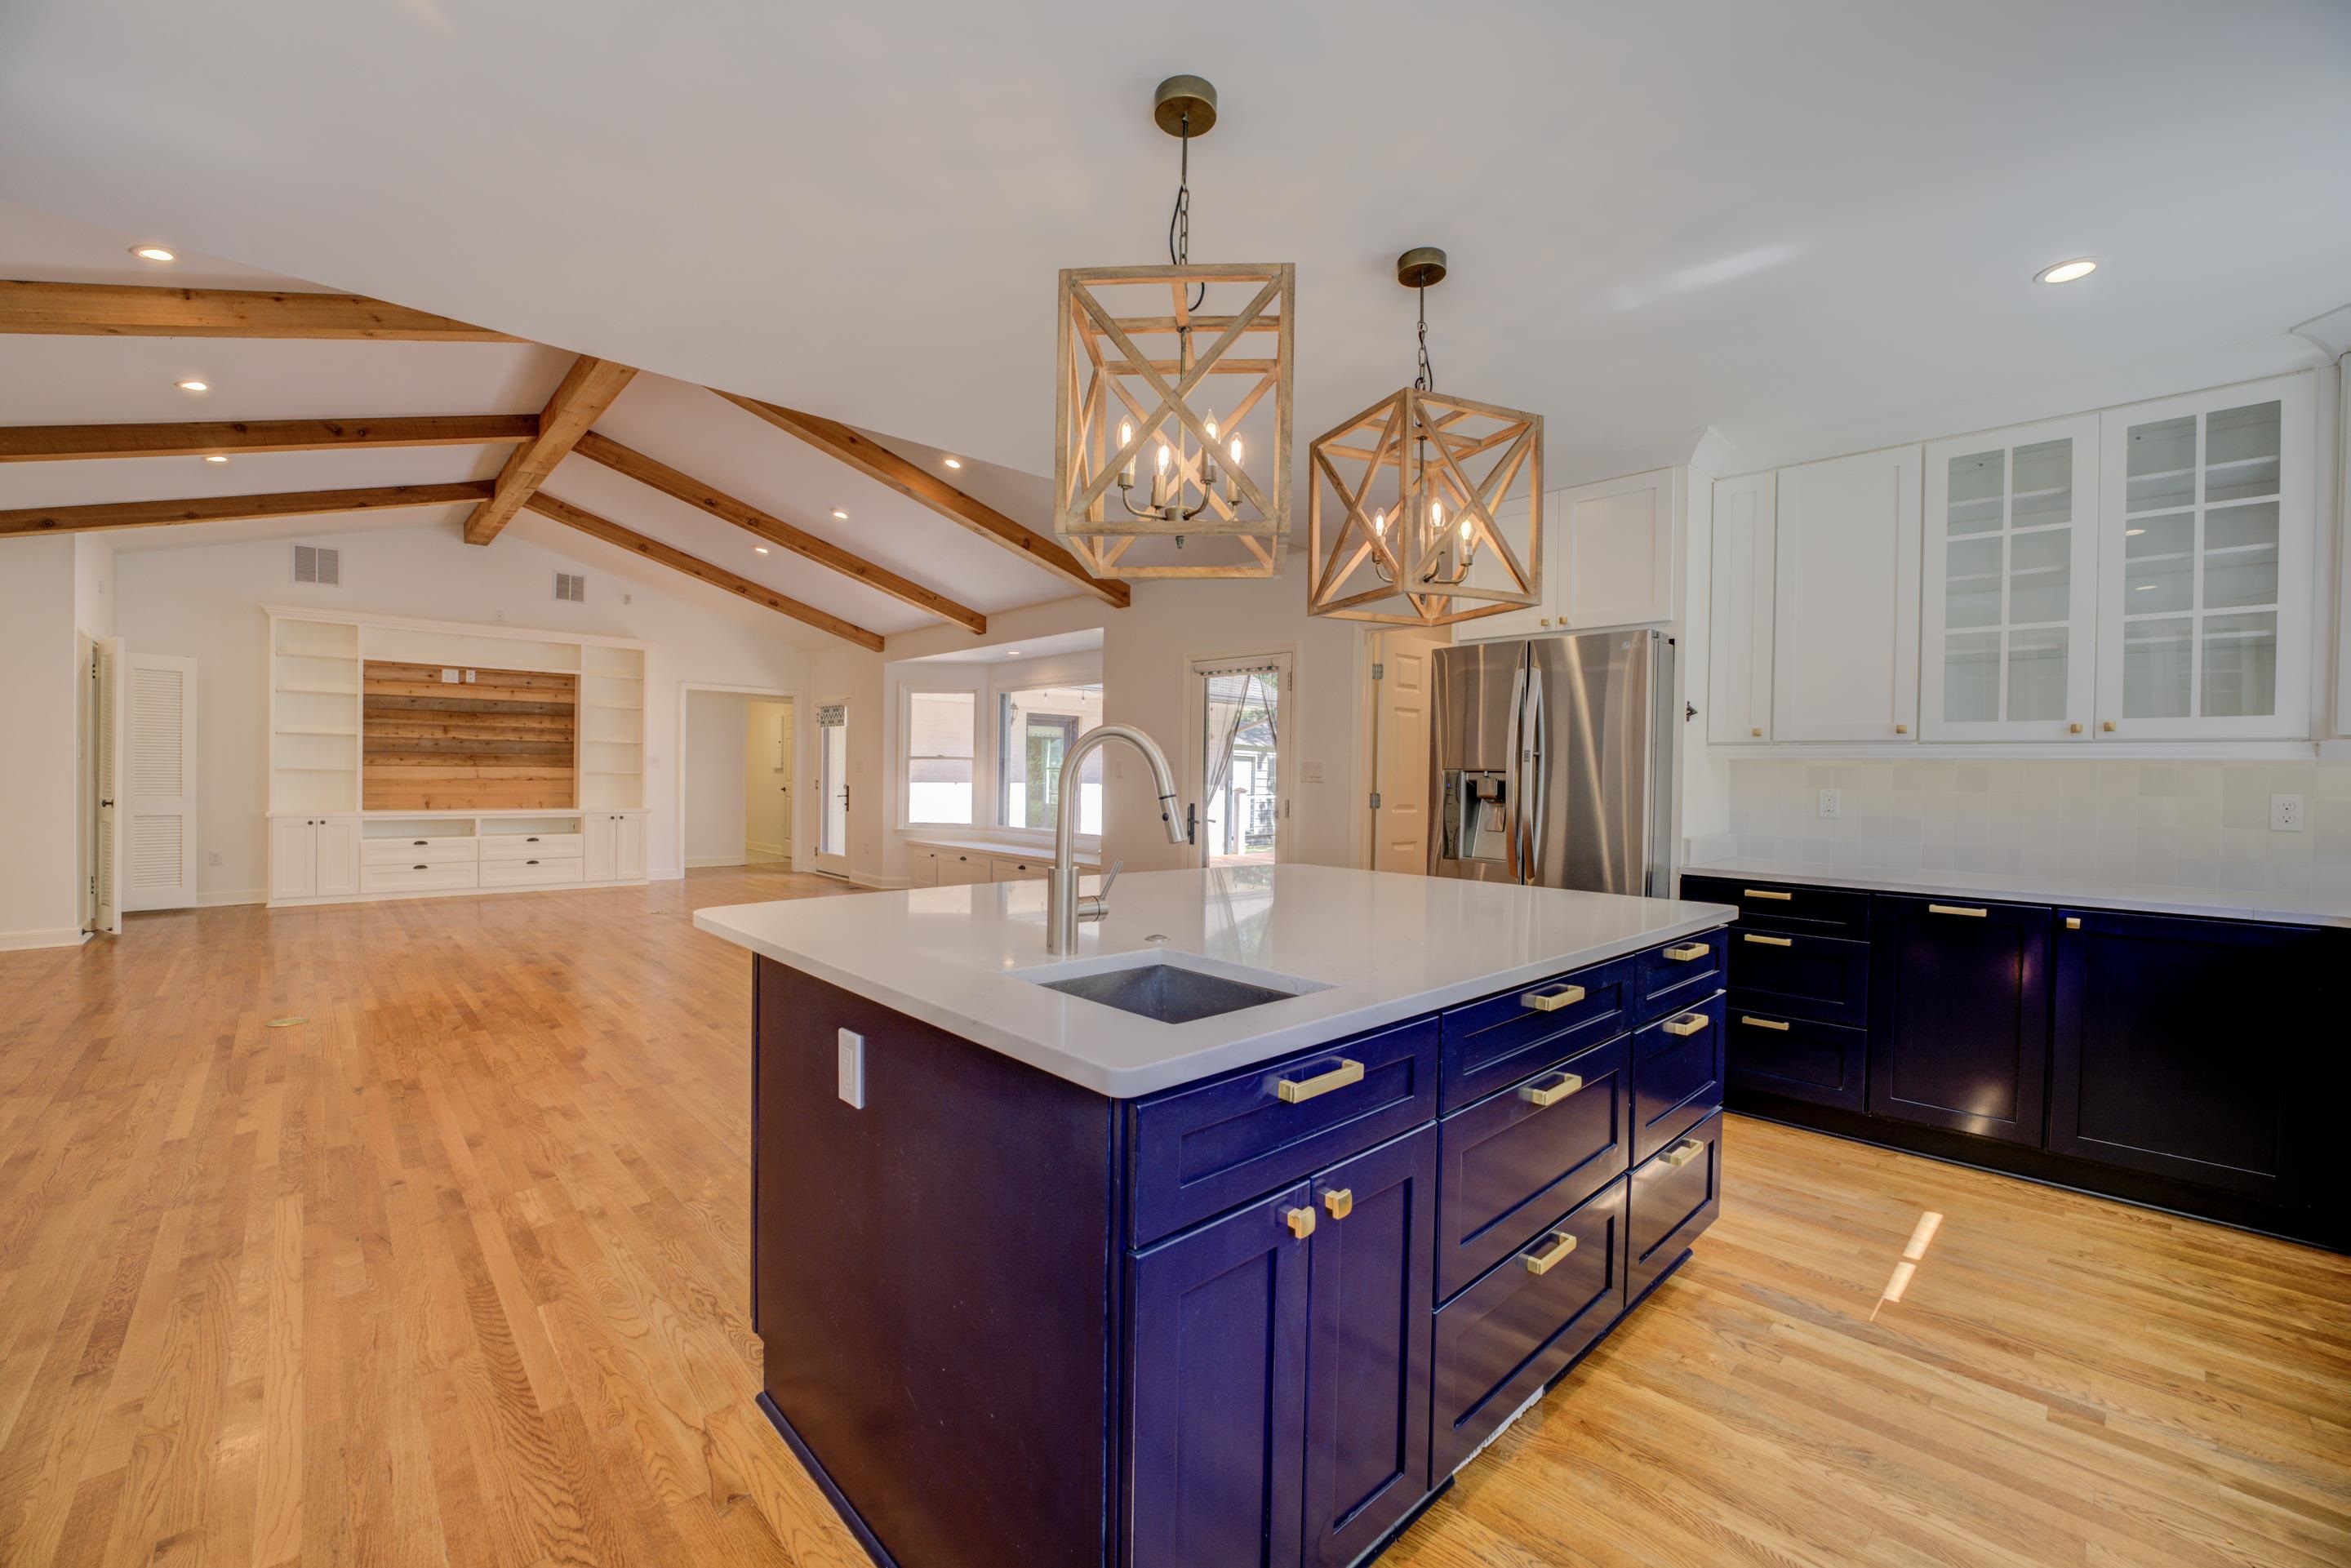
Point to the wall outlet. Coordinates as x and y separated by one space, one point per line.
1831 804
214 858
1314 773
2285 814
851 1052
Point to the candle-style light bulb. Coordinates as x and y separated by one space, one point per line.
1159 479
1232 485
1380 525
1126 474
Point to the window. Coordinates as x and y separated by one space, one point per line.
1036 727
941 727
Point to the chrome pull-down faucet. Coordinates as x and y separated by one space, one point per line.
1064 907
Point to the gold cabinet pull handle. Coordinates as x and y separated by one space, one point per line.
1552 1001
1551 1091
1753 1022
1957 909
1688 1023
1768 941
2073 923
1687 951
1765 892
1901 729
1551 1257
1340 1201
1300 1222
1681 1153
1293 1090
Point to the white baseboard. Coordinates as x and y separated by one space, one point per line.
233 895
58 937
696 862
762 854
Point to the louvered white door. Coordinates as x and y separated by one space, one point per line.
158 768
111 716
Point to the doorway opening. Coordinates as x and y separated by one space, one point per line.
1242 707
737 747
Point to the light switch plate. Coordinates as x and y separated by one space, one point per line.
2285 814
1314 773
853 1069
1831 804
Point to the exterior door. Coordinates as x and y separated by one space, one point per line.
1244 711
832 788
1404 665
1845 642
1960 1026
159 781
111 717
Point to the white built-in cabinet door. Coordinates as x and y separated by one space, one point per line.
158 776
1616 563
600 834
629 847
293 857
2205 565
2010 584
1542 619
338 856
1738 619
1845 646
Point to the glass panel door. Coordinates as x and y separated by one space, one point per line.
832 787
1243 805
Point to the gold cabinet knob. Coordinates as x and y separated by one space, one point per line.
1340 1201
1901 729
2109 727
1544 622
1302 1222
1757 731
2072 729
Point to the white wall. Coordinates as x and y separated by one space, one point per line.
39 766
204 601
714 774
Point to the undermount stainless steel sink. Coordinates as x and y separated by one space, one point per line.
1169 988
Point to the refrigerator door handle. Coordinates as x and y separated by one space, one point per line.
1518 740
1534 772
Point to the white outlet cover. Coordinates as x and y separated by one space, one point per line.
1831 804
2286 813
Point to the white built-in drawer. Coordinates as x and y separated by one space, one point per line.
1009 869
418 876
533 846
533 872
409 851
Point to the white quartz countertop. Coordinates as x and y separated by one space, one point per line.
2087 893
1380 946
1036 854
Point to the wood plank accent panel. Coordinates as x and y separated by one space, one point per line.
505 739
877 462
223 508
588 388
684 487
52 442
676 559
142 310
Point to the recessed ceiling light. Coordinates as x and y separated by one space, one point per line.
153 253
955 462
2066 271
841 515
1011 653
195 386
215 458
758 549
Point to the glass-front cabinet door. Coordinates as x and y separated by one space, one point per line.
2205 565
2010 584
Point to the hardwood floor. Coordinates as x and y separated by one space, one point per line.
453 1270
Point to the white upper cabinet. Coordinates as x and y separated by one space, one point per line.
1617 566
2205 547
1739 620
1844 662
2009 602
1526 620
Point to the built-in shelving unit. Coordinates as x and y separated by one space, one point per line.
314 716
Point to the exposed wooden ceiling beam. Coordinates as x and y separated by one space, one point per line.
876 462
141 310
587 390
684 487
52 443
222 508
676 559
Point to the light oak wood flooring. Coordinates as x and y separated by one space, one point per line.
454 1271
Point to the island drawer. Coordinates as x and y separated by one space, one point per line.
533 846
1775 1054
1675 1195
416 852
1797 975
1515 1330
1678 975
1494 1043
1514 1160
1199 1150
1677 1076
1785 906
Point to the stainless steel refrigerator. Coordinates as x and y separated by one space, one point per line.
1553 762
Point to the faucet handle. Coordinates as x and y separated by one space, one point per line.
1108 877
1096 905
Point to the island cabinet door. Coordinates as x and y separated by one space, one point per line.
1367 1346
1216 1409
1959 1034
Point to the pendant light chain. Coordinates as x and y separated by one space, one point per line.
1427 378
1179 221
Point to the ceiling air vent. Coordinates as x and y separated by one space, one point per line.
571 588
316 564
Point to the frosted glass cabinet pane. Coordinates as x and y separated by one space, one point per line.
1972 677
2159 657
2159 564
2240 664
1978 481
2162 457
1972 584
2040 577
2241 555
2036 674
2044 484
2241 452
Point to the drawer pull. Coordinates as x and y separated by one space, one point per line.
1688 1023
1340 1201
1551 1257
1752 1022
1956 909
530 863
1302 1222
1552 1001
416 868
532 840
1551 1091
420 843
1291 1090
1687 951
1766 892
1768 941
1681 1153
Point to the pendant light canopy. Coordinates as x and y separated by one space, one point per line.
1148 480
1415 503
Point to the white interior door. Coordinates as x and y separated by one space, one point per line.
1402 663
158 776
111 713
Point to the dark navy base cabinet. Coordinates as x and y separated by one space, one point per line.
1009 1320
1960 1037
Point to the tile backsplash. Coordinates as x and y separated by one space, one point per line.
2168 824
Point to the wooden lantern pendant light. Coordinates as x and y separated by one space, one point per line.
1148 481
1425 493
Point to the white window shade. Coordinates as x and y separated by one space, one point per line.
942 732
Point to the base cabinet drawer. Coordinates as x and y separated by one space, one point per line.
1823 1063
1674 1195
1516 1329
959 868
1794 973
533 846
1677 1076
1004 870
1678 975
419 876
533 872
1516 1160
1786 906
1494 1043
414 852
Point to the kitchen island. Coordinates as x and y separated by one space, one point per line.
1228 1238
